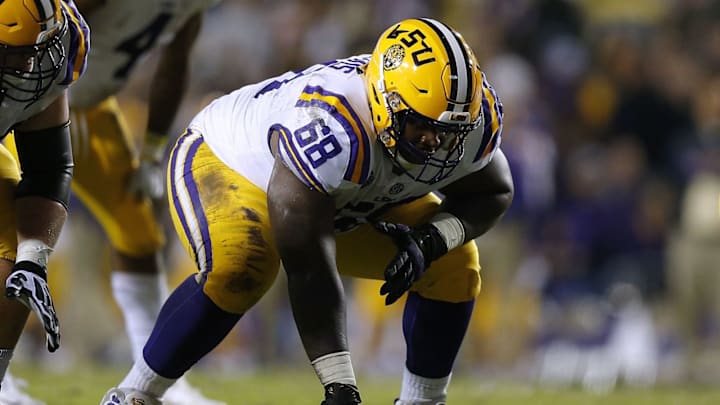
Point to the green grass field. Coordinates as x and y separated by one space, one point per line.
86 387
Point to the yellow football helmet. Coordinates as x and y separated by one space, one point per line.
423 70
31 50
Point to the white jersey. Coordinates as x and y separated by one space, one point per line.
327 138
75 43
123 31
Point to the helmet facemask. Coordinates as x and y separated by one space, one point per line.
423 166
27 72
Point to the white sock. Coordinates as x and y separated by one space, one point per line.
5 356
142 378
334 368
416 388
139 297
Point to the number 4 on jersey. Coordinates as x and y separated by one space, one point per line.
141 42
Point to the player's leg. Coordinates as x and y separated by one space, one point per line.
222 220
377 319
104 160
13 314
438 307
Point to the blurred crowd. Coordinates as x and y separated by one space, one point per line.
604 271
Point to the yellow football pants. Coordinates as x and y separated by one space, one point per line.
104 159
9 178
222 220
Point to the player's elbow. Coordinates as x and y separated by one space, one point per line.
52 184
47 163
505 197
495 206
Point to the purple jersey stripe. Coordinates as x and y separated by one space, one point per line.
495 141
79 42
487 132
306 174
488 121
197 203
355 138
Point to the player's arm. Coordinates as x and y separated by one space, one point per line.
166 93
472 205
480 199
45 155
170 80
302 222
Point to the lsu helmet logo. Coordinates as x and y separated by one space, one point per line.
397 188
393 57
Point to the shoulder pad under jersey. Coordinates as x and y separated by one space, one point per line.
78 44
492 110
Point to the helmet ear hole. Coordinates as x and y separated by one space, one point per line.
394 101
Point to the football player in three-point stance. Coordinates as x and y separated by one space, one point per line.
115 184
332 170
43 48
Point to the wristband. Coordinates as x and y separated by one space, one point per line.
450 228
35 251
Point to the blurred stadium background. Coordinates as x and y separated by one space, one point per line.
605 271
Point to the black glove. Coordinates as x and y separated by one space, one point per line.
28 284
417 247
341 394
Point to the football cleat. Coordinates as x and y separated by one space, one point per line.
11 392
341 394
127 396
422 402
182 393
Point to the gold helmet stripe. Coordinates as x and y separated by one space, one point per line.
461 91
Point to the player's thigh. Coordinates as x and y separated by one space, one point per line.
104 160
364 252
9 178
222 220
